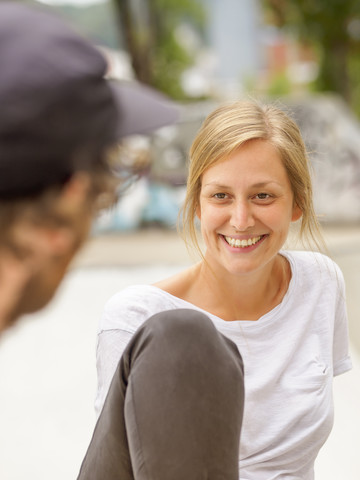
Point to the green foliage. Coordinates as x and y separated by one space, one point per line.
177 10
280 85
157 56
333 28
170 58
354 73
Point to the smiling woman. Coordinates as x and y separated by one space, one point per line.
246 200
285 311
231 126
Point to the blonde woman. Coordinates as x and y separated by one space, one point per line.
285 311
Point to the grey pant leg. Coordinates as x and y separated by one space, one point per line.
174 408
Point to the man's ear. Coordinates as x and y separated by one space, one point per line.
74 193
296 213
42 241
59 240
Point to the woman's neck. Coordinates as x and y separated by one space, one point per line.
243 296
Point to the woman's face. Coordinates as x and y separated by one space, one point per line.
246 207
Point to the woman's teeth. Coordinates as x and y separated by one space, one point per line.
235 242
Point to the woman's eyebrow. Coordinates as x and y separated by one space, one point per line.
215 184
264 184
254 185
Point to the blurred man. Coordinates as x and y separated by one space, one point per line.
59 119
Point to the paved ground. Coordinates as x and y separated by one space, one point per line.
47 365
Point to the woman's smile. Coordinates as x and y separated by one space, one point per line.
243 243
246 207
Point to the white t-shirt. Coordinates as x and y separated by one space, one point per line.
290 356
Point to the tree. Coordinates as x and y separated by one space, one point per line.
333 27
149 31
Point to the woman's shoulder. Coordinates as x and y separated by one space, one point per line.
134 297
307 257
180 284
314 264
130 307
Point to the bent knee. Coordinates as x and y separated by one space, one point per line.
181 321
191 330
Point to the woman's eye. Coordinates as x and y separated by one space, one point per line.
263 196
220 196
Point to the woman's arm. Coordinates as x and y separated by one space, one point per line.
110 346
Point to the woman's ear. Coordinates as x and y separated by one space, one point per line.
296 214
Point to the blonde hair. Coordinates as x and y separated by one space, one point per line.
225 130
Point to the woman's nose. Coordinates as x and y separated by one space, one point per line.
242 216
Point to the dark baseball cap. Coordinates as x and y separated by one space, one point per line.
55 101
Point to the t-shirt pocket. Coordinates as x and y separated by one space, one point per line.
311 375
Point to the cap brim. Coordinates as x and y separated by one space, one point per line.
141 109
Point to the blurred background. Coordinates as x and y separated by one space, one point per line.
304 56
